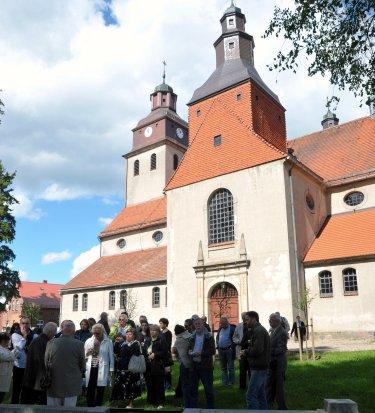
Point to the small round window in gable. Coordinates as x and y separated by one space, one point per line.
310 202
354 198
121 243
157 236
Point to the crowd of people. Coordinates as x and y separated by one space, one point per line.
56 365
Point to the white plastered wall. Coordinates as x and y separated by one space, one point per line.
343 313
260 214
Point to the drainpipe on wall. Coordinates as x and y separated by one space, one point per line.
294 228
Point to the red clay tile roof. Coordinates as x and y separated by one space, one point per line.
340 151
345 235
138 216
240 148
44 294
130 268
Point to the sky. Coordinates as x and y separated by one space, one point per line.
76 76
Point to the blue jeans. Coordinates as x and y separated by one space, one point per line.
256 398
206 376
227 366
185 380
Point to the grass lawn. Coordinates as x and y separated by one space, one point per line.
335 375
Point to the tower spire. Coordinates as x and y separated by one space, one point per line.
164 65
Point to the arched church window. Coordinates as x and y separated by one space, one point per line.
175 161
350 281
123 299
111 300
75 302
153 162
325 284
220 217
84 302
136 167
156 297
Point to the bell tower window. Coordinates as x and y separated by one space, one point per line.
153 162
175 161
136 168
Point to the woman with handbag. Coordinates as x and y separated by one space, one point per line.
99 365
129 364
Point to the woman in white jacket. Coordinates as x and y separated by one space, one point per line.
99 365
7 358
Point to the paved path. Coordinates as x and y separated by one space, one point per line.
337 344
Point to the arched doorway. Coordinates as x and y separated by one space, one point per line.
223 302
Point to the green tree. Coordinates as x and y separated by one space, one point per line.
304 302
32 311
9 279
337 35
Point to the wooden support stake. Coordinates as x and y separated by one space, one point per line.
299 344
312 339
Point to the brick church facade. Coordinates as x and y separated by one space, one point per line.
224 214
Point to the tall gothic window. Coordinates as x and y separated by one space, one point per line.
123 299
350 281
75 302
220 217
175 161
153 162
111 300
156 297
136 167
325 284
84 302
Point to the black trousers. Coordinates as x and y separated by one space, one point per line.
2 396
95 393
275 382
31 396
17 384
244 372
155 389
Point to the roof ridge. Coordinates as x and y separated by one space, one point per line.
329 129
39 282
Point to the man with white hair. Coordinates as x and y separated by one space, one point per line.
66 358
35 367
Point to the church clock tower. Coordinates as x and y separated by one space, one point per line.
159 142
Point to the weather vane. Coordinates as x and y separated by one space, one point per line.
164 64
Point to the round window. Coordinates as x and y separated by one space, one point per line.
310 202
354 198
121 243
157 236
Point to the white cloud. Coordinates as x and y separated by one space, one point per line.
84 260
72 96
52 257
105 221
25 207
23 275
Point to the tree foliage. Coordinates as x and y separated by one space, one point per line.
31 311
9 279
304 302
338 36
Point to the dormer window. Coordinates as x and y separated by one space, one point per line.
231 45
217 140
199 112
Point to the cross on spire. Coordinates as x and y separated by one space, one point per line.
164 64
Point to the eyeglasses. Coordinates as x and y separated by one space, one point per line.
25 323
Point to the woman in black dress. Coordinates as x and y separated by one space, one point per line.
127 385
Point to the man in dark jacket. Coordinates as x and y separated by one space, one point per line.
257 351
104 322
163 324
202 350
301 329
278 363
227 351
32 393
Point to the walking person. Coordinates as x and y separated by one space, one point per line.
257 351
157 357
7 358
84 332
35 369
227 351
66 357
104 322
278 363
21 340
99 365
202 350
239 333
301 330
127 386
163 324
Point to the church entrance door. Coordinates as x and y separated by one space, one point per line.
223 302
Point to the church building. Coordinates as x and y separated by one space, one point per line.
224 214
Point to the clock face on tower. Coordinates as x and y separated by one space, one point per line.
179 133
148 131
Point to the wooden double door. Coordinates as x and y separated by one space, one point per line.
223 303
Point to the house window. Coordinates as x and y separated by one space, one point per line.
220 217
153 162
123 299
121 243
199 112
350 281
156 297
175 161
136 167
217 140
238 96
231 22
231 45
84 302
310 201
325 284
75 302
157 236
354 198
111 300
